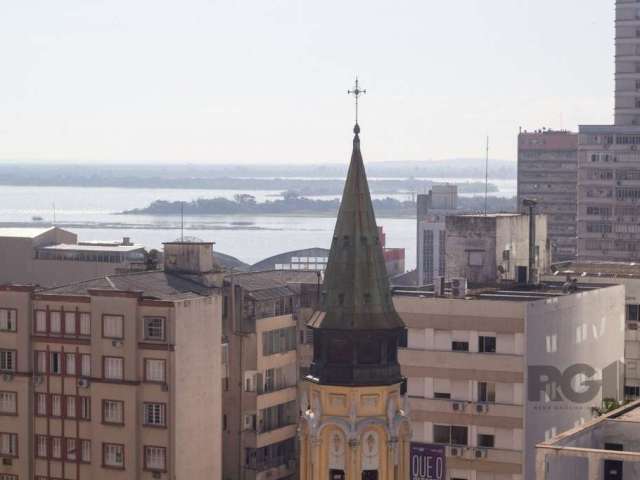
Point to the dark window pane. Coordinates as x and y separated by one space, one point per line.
369 352
487 344
340 350
460 346
441 433
486 440
459 435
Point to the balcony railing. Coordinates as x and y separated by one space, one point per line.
268 463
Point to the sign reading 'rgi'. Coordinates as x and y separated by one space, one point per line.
428 461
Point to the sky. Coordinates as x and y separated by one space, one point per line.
265 81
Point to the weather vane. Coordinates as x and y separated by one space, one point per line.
356 92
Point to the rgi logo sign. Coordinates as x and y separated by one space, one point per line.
576 384
427 461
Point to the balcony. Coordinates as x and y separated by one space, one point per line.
273 468
467 456
493 412
417 359
253 439
276 396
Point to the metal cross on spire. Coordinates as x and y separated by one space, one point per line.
356 92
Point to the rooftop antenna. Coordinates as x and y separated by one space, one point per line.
182 221
486 177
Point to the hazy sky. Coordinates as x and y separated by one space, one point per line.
260 80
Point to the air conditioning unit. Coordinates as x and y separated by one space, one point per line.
439 286
7 377
116 343
482 408
456 451
458 287
38 379
156 475
83 382
480 453
458 406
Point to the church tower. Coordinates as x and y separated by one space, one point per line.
354 423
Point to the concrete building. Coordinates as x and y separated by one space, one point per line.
261 314
354 423
486 249
53 256
626 274
609 177
432 209
476 368
607 448
117 377
547 172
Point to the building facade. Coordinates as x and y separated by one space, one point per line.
547 172
488 249
261 314
608 157
432 209
354 421
472 365
54 256
114 378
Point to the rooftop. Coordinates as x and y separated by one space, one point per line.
515 292
598 269
24 232
93 248
156 284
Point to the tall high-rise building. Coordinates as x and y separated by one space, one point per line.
354 423
547 164
609 160
431 236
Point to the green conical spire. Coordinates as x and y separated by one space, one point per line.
356 292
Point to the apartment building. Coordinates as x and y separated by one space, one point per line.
488 249
476 368
263 313
432 209
117 377
628 275
53 256
608 157
547 172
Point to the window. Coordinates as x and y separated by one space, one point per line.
85 365
8 360
154 370
85 323
487 441
631 391
42 444
8 319
56 447
70 364
55 322
84 404
71 449
633 312
487 344
154 328
9 444
8 403
41 404
56 405
55 365
486 392
450 435
8 476
154 414
113 411
113 455
41 321
279 340
441 395
112 326
70 406
41 361
69 323
85 451
460 346
154 458
113 368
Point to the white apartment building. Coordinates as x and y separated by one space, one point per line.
470 362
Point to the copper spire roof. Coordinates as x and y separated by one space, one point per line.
356 292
